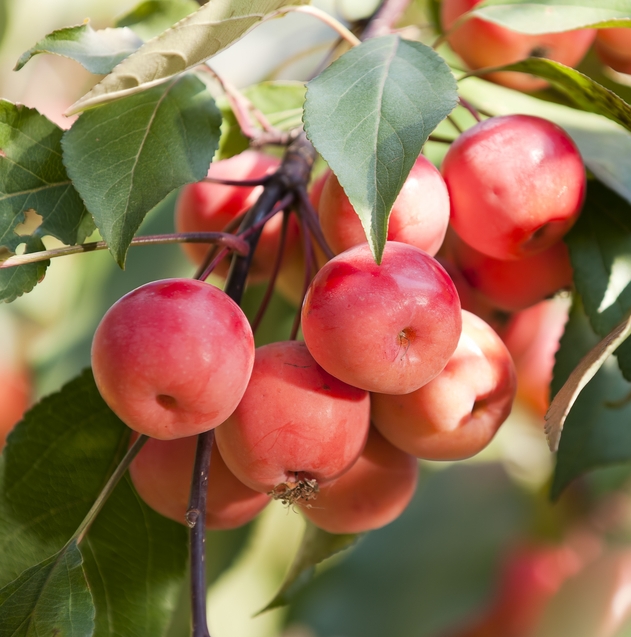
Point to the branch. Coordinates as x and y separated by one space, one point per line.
328 19
385 18
229 241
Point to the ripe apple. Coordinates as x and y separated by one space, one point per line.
484 44
389 328
516 183
613 47
162 474
173 358
371 494
456 414
419 216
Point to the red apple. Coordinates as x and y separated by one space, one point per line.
613 47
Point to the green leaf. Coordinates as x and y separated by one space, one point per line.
98 51
126 157
152 17
605 146
55 464
597 431
33 181
316 546
17 281
50 598
583 92
370 113
213 27
281 102
551 16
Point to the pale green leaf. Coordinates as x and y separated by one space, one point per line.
213 27
552 16
127 156
583 92
98 51
316 546
370 113
50 598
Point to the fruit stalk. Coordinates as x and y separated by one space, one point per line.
293 174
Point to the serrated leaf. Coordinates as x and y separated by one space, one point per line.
582 91
316 546
552 16
152 17
126 157
212 28
281 102
600 250
597 429
54 466
605 146
369 114
50 598
33 180
98 51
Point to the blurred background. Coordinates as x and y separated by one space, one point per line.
480 551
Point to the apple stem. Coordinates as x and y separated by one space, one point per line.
468 106
311 217
246 183
385 18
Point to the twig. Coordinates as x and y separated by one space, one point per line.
230 241
245 183
329 20
385 18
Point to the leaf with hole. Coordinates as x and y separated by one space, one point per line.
193 40
126 157
98 51
369 114
552 16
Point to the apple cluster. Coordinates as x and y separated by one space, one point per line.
397 361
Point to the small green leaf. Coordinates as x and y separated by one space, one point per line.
55 464
152 17
316 546
50 598
280 102
370 113
597 431
193 40
583 92
552 16
126 157
98 51
33 181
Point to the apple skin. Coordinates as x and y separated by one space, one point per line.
420 214
295 422
517 185
483 44
532 337
513 286
15 391
372 493
613 47
456 414
389 328
162 473
173 358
